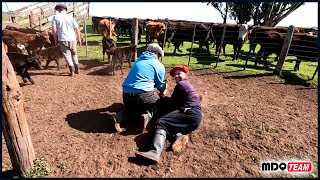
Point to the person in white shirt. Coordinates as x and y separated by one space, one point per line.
66 32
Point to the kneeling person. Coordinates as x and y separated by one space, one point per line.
184 119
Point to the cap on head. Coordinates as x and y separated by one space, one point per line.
155 47
60 7
182 68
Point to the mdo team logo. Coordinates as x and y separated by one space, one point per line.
295 166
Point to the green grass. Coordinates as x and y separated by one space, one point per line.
40 169
202 60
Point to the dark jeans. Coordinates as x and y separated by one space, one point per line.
179 121
137 104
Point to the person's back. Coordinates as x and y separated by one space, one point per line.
146 73
65 31
65 24
139 97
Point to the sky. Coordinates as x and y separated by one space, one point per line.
304 16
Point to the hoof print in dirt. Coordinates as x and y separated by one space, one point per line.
236 134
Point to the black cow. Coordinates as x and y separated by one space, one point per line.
235 34
21 63
95 22
184 32
13 45
123 26
108 46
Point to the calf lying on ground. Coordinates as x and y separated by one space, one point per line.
21 63
108 46
50 54
122 54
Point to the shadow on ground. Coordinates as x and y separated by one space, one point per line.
94 121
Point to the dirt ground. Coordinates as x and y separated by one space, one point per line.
245 121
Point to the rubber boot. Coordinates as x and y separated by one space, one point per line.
156 147
120 118
71 69
77 70
180 143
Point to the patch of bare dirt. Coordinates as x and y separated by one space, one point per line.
245 121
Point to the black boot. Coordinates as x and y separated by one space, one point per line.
77 70
156 147
120 118
71 69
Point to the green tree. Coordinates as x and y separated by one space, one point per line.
262 13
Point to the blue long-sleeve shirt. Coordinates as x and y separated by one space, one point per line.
146 73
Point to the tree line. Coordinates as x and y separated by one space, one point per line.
262 13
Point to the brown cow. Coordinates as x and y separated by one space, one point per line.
50 54
154 30
33 31
108 46
33 42
104 27
122 54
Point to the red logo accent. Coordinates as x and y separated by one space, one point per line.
299 167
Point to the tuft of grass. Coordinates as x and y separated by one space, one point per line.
40 169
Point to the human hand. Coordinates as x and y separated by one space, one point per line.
79 42
164 93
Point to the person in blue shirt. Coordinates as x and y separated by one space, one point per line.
184 117
139 96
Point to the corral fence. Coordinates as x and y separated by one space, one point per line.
39 16
226 36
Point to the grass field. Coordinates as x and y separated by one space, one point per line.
208 61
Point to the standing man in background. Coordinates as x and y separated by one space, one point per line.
66 32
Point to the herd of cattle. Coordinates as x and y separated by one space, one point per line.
24 47
27 47
304 44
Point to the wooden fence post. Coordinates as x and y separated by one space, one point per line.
284 51
164 38
74 9
110 28
135 31
194 32
221 43
85 33
40 23
14 124
252 43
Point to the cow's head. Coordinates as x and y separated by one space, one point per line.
35 62
243 31
43 36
